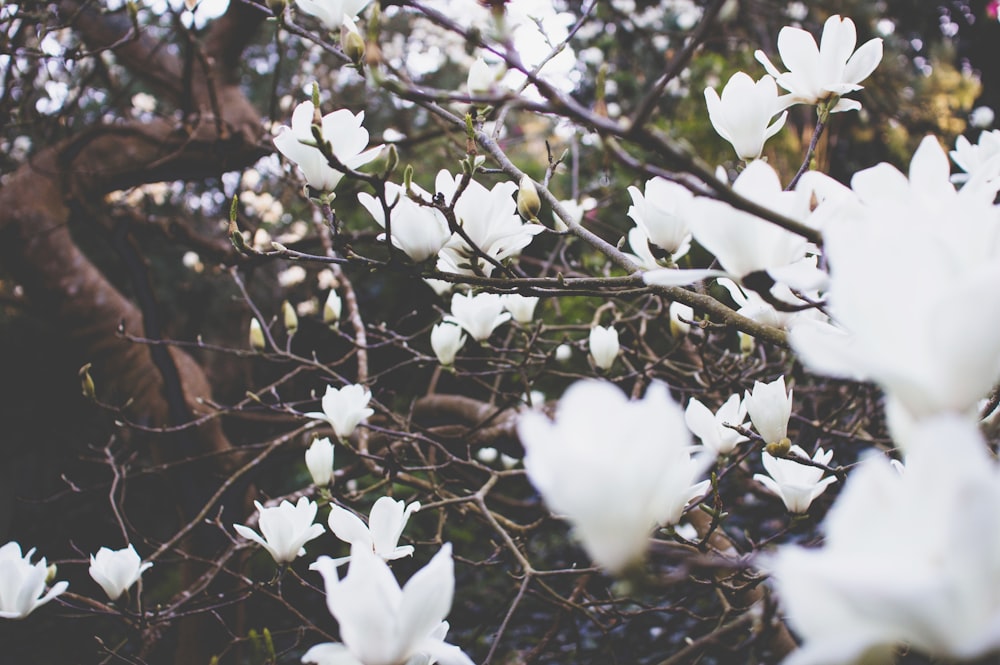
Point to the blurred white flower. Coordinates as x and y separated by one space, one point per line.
344 408
797 485
381 624
563 353
291 276
481 78
982 117
709 427
679 311
331 13
575 210
743 115
285 528
660 212
319 461
479 314
333 307
980 159
420 231
386 522
22 583
827 72
614 468
342 129
911 558
604 347
770 408
447 338
522 308
117 570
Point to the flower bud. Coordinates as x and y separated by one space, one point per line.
332 308
480 78
564 352
319 461
290 317
351 41
604 346
87 383
256 335
528 203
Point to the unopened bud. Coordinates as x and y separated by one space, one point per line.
256 335
332 308
351 41
87 383
528 203
290 317
778 448
50 574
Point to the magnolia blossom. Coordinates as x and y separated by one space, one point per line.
743 115
604 346
385 525
319 461
744 243
903 253
824 73
680 316
332 12
911 558
419 230
614 468
479 314
285 528
344 408
797 485
342 129
522 308
333 307
660 212
447 338
980 158
770 408
980 117
489 218
117 570
710 427
481 78
22 583
383 624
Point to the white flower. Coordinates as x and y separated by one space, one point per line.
522 308
319 461
981 158
825 73
332 12
743 114
563 353
333 307
744 243
479 314
679 311
447 338
116 570
386 522
489 218
381 624
910 558
982 117
709 427
481 78
660 213
574 210
285 528
769 409
344 408
420 231
614 468
342 129
22 583
797 485
604 346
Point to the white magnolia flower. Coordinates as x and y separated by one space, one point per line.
22 583
797 485
481 78
936 250
342 129
575 210
332 12
489 218
709 427
344 408
447 338
614 468
743 115
319 461
117 570
911 558
386 522
285 528
479 314
770 408
420 231
824 73
744 243
382 624
522 308
680 315
333 307
660 212
982 117
981 158
604 346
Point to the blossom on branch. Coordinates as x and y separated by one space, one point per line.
285 528
117 570
22 583
604 346
710 428
478 314
344 408
319 461
419 230
660 211
447 338
386 522
797 485
743 115
332 12
770 408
